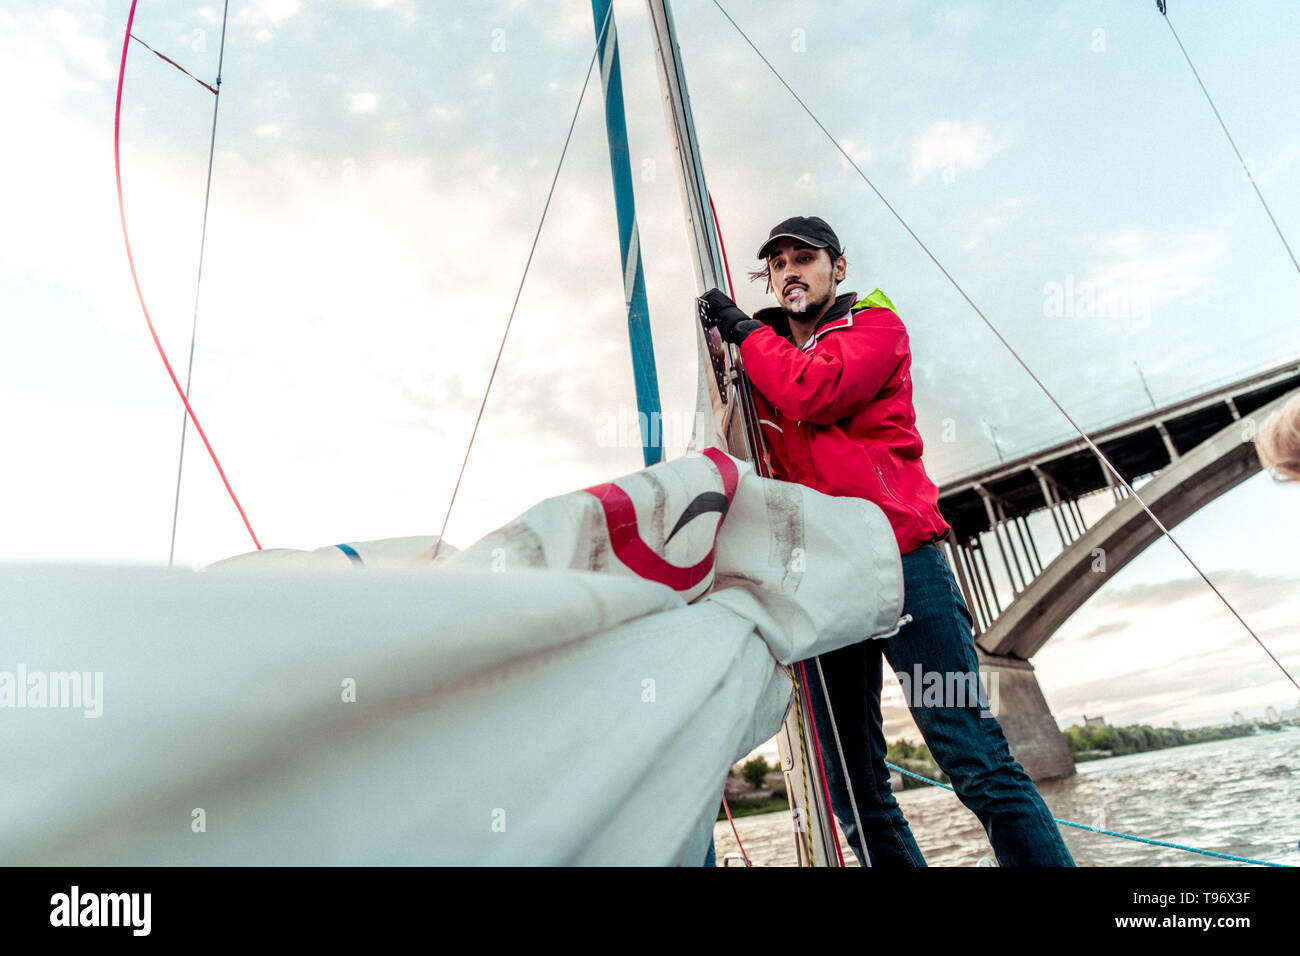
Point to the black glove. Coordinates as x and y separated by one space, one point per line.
733 324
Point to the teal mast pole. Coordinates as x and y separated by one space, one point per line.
638 312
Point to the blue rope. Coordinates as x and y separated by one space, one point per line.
1122 836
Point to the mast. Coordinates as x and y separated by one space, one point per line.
710 272
638 311
722 398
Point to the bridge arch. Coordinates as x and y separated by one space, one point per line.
1196 450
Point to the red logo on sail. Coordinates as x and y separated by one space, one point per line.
625 535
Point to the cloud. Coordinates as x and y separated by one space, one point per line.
1194 689
1152 268
1204 687
1109 627
362 102
1264 589
405 10
50 56
262 12
961 17
571 23
1279 163
861 153
947 144
55 89
981 224
82 48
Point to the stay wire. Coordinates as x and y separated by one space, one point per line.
1231 142
524 278
844 764
1014 354
198 282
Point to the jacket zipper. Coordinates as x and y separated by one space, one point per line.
881 475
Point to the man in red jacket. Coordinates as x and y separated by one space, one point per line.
832 375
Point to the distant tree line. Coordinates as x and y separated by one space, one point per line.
1139 738
1085 743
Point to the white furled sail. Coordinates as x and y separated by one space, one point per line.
571 689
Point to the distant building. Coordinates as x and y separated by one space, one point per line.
1177 726
1270 714
1237 718
1093 721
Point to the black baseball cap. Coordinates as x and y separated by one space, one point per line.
808 229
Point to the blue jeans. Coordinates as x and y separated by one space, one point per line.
970 749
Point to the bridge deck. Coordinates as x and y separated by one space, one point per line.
1137 446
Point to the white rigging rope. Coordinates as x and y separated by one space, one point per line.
844 764
1224 126
523 278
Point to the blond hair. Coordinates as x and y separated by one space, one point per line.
1278 441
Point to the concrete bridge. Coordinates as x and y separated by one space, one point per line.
1178 458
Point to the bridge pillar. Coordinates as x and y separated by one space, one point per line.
1025 718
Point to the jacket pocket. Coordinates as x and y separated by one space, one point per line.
884 485
907 507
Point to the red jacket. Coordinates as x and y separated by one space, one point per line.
837 414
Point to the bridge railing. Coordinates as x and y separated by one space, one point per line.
1066 433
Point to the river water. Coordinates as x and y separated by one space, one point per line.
1240 797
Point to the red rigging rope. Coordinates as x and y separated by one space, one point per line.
126 238
735 833
726 266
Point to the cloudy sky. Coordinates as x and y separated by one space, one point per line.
381 168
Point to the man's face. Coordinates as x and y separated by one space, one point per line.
803 277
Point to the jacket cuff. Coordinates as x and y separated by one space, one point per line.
745 329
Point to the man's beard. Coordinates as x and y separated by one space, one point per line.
804 305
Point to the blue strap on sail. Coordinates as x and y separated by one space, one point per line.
638 312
